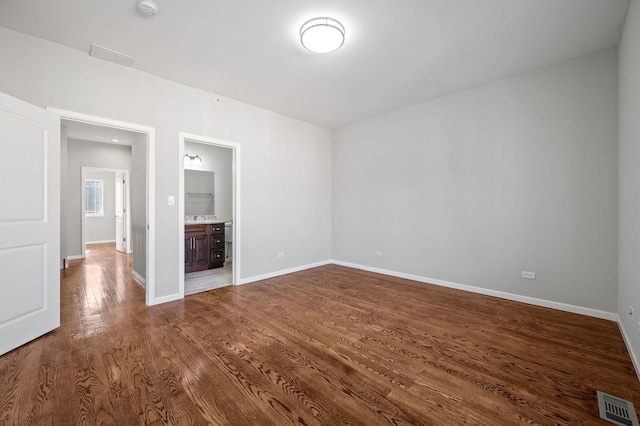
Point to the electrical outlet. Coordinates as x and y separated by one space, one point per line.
528 275
281 254
378 253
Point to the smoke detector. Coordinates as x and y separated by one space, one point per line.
148 7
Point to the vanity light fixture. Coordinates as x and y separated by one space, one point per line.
193 158
322 35
115 140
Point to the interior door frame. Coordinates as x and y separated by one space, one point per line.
127 206
150 293
237 216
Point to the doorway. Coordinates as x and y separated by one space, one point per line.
106 211
223 202
146 204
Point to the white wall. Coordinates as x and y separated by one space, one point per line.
138 188
474 188
87 154
471 188
220 161
629 231
103 228
286 163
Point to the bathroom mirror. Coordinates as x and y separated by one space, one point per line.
199 192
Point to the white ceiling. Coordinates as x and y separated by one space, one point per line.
95 133
397 52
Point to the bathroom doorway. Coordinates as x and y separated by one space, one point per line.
208 214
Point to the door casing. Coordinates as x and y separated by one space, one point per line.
150 294
237 216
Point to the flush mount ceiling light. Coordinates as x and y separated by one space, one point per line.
148 7
322 35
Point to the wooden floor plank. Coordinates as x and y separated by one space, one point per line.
326 346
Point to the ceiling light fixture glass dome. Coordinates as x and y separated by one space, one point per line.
322 35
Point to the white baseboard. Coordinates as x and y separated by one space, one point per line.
479 290
283 272
611 316
138 278
165 299
634 358
100 242
75 257
501 294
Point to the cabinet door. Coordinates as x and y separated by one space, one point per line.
196 247
188 251
200 250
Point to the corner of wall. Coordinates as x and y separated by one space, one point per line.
629 182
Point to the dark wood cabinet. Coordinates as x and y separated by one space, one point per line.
203 247
216 246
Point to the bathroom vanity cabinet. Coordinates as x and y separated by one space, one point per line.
203 246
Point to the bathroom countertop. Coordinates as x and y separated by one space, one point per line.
203 219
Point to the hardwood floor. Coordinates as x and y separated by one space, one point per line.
326 346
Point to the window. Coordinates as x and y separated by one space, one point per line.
93 197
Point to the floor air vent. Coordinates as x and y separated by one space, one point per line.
616 410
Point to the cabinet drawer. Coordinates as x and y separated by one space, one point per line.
216 241
217 228
196 229
217 256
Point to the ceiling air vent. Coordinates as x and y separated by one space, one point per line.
617 411
111 55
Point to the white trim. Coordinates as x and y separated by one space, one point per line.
634 358
150 297
236 197
501 294
284 272
74 257
596 313
138 278
167 299
83 226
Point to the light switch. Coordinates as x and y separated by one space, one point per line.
171 200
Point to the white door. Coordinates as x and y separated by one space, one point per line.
121 245
29 222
